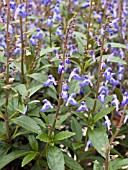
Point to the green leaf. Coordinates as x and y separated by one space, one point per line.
39 122
44 137
62 118
55 158
102 113
77 145
81 115
71 163
2 102
63 135
76 127
21 88
33 142
97 166
115 45
40 77
48 50
114 59
27 123
33 90
74 86
28 158
6 159
118 164
99 139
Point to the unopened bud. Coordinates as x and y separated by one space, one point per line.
10 60
15 96
114 157
1 75
11 80
115 143
103 150
8 86
120 137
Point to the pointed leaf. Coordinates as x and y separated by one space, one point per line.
63 135
72 164
44 137
33 142
48 50
27 123
102 113
55 158
99 139
28 158
76 127
6 159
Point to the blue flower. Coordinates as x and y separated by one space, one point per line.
17 51
49 21
68 61
125 99
83 107
93 55
47 105
39 34
60 68
59 31
86 81
115 102
64 95
50 81
33 41
74 74
107 122
65 87
12 4
102 97
71 100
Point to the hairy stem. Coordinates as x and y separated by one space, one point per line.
7 70
89 23
114 136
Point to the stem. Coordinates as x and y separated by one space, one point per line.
114 136
22 51
89 22
99 70
7 70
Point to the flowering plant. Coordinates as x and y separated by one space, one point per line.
64 84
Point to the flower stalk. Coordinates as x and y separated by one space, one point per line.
7 69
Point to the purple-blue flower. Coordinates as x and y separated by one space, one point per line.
47 105
86 81
49 21
74 74
50 81
71 100
125 99
83 107
60 68
115 102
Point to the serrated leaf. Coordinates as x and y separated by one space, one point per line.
115 45
33 142
102 113
44 137
99 139
48 50
76 127
28 158
27 123
63 135
55 158
71 163
6 159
